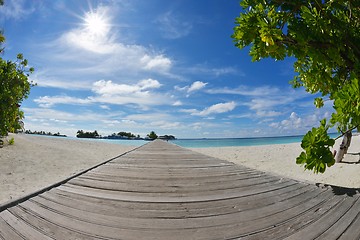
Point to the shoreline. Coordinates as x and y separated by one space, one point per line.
280 159
36 162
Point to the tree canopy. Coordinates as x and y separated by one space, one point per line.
323 36
152 135
14 88
82 134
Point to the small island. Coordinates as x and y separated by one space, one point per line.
45 133
123 136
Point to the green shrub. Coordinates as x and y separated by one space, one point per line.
11 141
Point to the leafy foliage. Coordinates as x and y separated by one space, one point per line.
152 135
11 141
14 88
323 36
44 133
317 155
82 134
126 134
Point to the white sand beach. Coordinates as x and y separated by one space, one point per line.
280 159
35 162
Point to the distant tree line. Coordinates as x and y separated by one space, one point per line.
123 135
82 134
45 133
167 137
152 135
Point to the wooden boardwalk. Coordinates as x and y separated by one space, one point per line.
162 191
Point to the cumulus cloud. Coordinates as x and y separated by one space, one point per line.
300 124
103 87
216 109
195 86
107 92
158 62
293 122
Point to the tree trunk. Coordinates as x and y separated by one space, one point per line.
343 147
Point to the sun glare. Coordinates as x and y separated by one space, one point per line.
96 23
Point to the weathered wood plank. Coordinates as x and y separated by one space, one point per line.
7 232
162 191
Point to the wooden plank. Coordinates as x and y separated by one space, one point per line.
162 191
170 210
346 220
322 224
295 224
169 197
22 228
7 231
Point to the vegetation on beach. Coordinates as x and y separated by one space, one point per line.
323 37
152 135
121 135
14 88
167 137
44 133
82 134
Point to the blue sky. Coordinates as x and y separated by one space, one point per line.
158 65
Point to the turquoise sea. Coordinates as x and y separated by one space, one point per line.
217 142
232 142
211 142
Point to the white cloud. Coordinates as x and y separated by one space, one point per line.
195 86
268 113
149 117
47 101
247 91
192 111
44 79
204 69
94 34
293 122
91 53
172 26
105 107
108 92
103 87
299 124
165 124
216 109
41 114
158 62
177 103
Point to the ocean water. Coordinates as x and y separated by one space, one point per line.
211 142
233 142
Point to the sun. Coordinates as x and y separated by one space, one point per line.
96 23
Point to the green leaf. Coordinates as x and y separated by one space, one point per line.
323 37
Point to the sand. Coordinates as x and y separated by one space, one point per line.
280 159
35 162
